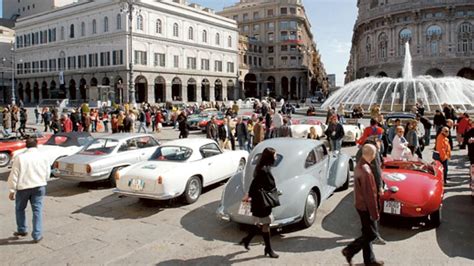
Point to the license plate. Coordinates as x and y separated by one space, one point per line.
391 207
137 184
69 168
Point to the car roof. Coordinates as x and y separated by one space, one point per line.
194 143
289 147
124 136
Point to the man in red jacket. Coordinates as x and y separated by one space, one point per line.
66 123
365 191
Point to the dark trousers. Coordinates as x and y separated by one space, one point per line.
445 170
364 243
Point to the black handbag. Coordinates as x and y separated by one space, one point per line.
436 156
270 199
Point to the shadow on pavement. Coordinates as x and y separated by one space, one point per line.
13 240
301 244
456 233
210 260
64 188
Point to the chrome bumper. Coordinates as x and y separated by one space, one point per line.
80 177
163 196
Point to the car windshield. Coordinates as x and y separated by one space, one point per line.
403 121
278 160
172 153
100 147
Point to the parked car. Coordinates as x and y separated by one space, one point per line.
104 156
413 189
180 168
352 131
63 144
305 173
404 118
14 142
194 121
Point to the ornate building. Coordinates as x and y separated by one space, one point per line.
278 56
440 34
80 51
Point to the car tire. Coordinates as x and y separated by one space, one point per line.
345 186
111 180
310 209
435 218
5 158
193 190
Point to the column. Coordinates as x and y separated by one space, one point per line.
224 93
212 94
150 96
198 92
184 92
168 92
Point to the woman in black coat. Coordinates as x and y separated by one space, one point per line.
263 179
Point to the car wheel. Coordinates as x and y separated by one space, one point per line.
346 184
310 209
435 218
193 190
5 158
241 166
112 181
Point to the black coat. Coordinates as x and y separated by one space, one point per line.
262 179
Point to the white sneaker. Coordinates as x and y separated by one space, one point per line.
379 241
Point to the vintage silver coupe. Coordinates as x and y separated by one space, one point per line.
104 156
305 174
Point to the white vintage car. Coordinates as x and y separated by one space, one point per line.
353 131
180 168
300 127
62 144
104 156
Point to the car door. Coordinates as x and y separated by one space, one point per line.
213 163
147 146
128 152
322 157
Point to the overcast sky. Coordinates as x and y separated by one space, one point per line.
332 22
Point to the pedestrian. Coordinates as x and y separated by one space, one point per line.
284 131
341 113
462 128
93 117
212 131
23 120
75 119
148 118
27 182
263 181
374 129
400 148
412 138
268 124
258 132
250 134
142 121
183 126
366 204
120 119
128 123
427 125
439 120
37 115
335 133
56 125
66 123
242 134
159 121
277 120
86 122
114 124
105 121
225 135
47 116
235 108
313 134
444 150
14 117
7 122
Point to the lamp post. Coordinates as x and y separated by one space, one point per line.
13 73
128 6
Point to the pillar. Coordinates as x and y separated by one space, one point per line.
168 92
198 92
224 93
184 92
212 93
150 96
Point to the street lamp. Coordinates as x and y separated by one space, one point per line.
128 6
13 73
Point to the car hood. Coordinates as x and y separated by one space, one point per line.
414 187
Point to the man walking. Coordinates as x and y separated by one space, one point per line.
224 135
27 182
142 120
242 134
365 191
211 130
335 133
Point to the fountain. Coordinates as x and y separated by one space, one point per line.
401 94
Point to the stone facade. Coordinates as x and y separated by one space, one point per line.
7 38
278 56
440 34
13 9
80 52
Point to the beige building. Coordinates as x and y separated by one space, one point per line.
7 38
278 56
440 34
13 9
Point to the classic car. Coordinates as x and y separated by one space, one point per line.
63 144
195 120
404 118
305 174
413 189
353 131
220 121
14 142
180 168
104 156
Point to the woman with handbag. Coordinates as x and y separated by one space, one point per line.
263 196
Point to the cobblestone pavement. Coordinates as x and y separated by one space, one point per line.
85 223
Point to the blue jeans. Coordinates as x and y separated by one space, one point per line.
35 197
335 144
142 125
243 144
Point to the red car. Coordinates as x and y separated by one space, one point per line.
16 142
413 189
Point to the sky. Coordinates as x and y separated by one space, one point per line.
332 22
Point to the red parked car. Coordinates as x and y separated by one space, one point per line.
413 189
16 142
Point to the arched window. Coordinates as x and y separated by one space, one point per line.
159 26
204 36
175 30
94 26
434 30
61 34
465 37
139 22
191 33
405 36
433 38
218 39
229 41
368 48
383 46
106 24
83 29
119 22
71 31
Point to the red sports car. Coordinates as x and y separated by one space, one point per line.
413 189
16 142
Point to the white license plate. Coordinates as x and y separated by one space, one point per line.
69 168
137 184
392 207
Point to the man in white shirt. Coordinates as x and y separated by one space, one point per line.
27 182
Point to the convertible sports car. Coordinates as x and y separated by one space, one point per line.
62 145
413 189
300 128
12 143
353 131
104 156
194 121
305 173
180 168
